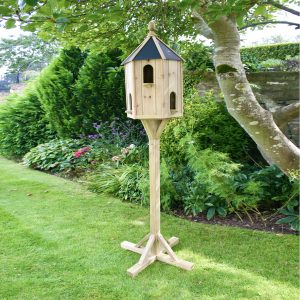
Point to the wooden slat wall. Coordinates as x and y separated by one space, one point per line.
173 81
131 86
148 92
138 86
126 87
166 104
153 101
159 86
180 87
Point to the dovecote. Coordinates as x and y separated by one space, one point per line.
154 80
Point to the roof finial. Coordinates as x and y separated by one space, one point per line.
152 28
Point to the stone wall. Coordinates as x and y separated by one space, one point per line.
272 89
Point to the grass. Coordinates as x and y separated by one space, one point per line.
59 241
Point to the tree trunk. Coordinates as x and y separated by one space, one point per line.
241 102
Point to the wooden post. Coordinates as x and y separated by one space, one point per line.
156 246
154 167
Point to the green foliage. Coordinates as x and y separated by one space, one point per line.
71 157
216 172
118 133
99 91
74 23
291 205
77 91
127 177
55 90
291 212
209 125
55 156
276 187
255 55
197 57
272 63
23 124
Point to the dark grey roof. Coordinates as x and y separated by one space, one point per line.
151 48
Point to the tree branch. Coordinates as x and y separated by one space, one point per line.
286 114
270 22
204 28
283 7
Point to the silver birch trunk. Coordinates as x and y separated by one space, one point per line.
241 102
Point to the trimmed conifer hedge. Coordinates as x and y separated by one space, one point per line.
274 51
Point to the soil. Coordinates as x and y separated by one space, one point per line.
264 222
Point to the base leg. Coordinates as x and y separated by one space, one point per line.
138 267
166 254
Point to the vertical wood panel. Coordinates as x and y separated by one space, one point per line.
159 86
166 105
131 89
138 86
173 84
148 92
126 87
180 87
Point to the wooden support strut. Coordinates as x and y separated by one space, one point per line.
157 248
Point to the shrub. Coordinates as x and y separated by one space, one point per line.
272 64
54 156
274 51
23 124
209 125
127 177
99 90
55 89
71 157
197 56
118 132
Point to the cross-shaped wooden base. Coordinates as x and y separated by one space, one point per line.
157 248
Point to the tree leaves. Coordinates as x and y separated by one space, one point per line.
4 10
31 2
10 24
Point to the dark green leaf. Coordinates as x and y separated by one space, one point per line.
295 225
31 2
210 213
222 211
285 220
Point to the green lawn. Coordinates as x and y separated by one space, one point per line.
58 241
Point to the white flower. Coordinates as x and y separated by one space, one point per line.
116 158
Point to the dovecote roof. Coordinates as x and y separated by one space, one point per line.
152 48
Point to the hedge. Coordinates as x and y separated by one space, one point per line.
275 51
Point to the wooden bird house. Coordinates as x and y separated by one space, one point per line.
154 94
154 81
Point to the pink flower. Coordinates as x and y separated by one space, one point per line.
81 151
77 154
